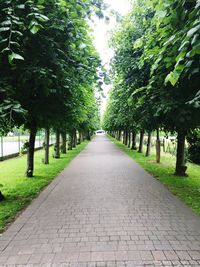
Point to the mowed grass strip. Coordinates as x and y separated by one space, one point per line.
186 188
19 190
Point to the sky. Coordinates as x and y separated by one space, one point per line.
102 30
102 35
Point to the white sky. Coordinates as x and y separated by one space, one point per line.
102 35
101 30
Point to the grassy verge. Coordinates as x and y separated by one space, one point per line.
19 190
187 189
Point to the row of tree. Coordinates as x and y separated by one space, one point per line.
49 69
156 71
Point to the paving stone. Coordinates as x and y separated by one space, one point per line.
103 211
159 255
171 255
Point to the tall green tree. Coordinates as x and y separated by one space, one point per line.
157 60
54 65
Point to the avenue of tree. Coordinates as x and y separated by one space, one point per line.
156 72
49 70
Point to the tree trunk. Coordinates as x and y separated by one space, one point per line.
180 157
133 147
123 138
126 138
158 150
129 139
57 145
81 137
140 150
120 133
88 136
79 140
46 146
64 142
1 196
148 152
30 151
70 141
164 148
84 137
74 139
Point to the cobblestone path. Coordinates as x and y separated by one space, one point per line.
103 211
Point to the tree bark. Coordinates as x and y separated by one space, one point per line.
180 157
164 149
75 138
70 144
123 138
79 138
129 139
57 145
120 133
88 136
133 147
140 150
46 146
64 142
158 150
148 151
84 136
126 138
31 150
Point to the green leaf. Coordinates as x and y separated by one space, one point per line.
4 29
13 56
35 28
141 89
129 102
181 56
7 49
169 41
195 39
138 43
173 77
193 31
184 46
161 13
6 23
196 49
21 6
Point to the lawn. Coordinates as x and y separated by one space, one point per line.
187 189
19 190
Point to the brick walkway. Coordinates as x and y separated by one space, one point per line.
103 211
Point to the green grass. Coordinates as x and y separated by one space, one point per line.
187 189
19 190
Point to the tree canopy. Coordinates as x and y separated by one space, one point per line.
48 65
156 71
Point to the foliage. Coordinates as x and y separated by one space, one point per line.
156 69
48 58
48 65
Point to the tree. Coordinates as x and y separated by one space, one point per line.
54 63
157 62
